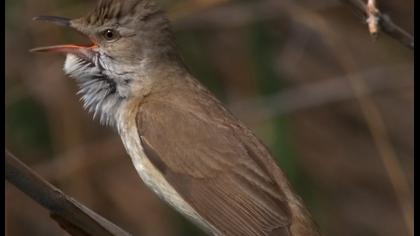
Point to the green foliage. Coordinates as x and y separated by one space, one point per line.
27 127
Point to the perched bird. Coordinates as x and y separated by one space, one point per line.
185 145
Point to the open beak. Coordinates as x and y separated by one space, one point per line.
80 51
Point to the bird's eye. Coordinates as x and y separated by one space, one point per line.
110 35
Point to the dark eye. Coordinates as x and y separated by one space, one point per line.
110 35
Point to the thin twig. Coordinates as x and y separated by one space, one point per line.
243 14
372 18
74 217
372 14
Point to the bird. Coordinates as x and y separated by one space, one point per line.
184 144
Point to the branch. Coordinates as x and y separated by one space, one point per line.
372 19
72 216
375 16
243 14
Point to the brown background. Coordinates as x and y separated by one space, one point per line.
288 69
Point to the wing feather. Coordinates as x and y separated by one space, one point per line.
216 172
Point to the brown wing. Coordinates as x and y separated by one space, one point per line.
212 169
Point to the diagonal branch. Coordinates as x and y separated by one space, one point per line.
72 216
243 14
385 22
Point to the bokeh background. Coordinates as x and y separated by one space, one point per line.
334 106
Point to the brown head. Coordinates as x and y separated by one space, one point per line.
128 36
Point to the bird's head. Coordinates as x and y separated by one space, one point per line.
127 37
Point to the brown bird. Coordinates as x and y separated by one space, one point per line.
185 145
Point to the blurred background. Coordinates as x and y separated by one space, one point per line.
334 106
